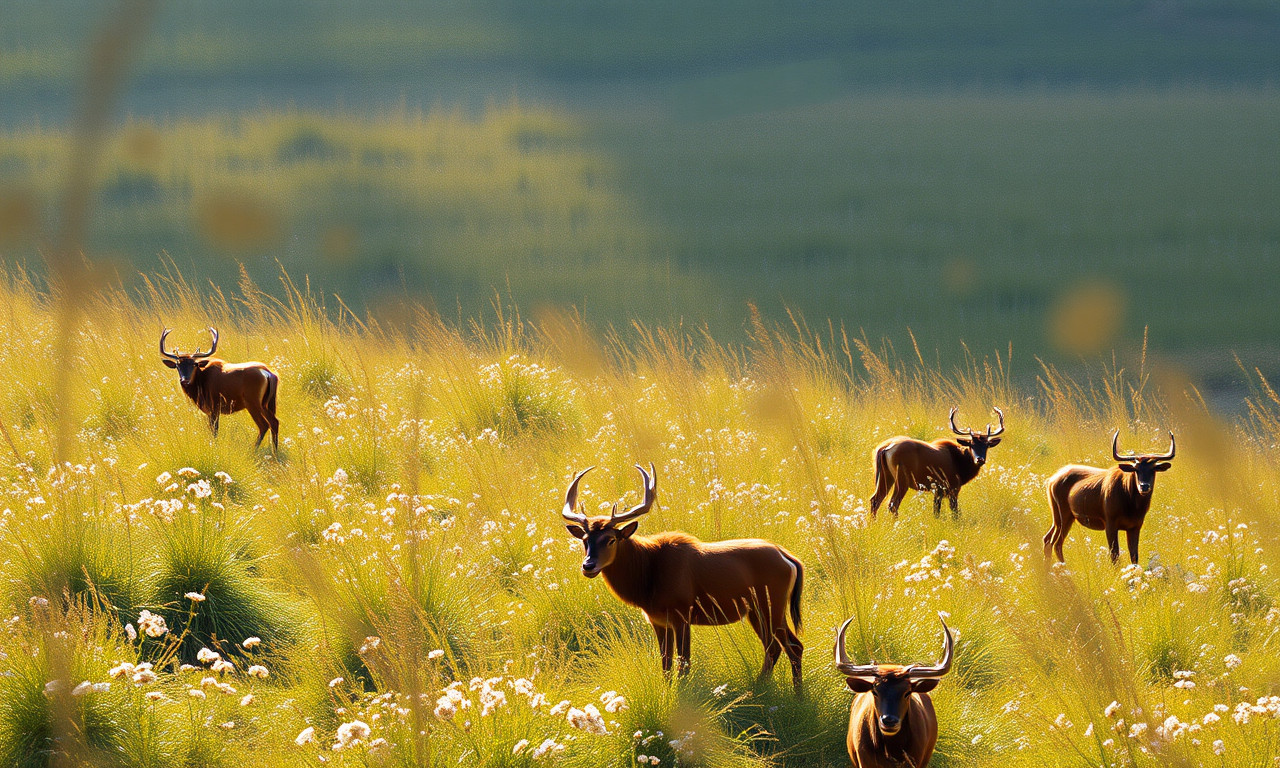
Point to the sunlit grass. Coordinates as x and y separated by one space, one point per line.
408 538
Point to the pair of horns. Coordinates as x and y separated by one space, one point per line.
1115 450
967 431
849 669
649 480
197 354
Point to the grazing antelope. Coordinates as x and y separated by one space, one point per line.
677 580
1110 500
218 387
943 466
891 720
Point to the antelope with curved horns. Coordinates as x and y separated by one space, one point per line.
218 387
678 581
891 720
943 466
1110 500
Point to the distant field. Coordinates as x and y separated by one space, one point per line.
978 217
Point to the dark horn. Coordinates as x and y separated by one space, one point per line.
570 511
948 651
163 335
212 348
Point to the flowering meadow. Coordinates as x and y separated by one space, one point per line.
397 588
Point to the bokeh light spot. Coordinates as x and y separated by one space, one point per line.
236 222
18 217
1086 319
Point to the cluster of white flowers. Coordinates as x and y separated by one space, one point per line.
1182 679
1265 707
613 702
547 748
587 719
935 566
684 745
350 734
151 624
87 687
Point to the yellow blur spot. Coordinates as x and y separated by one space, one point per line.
142 145
237 222
1087 318
18 218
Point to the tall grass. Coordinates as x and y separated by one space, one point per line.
406 543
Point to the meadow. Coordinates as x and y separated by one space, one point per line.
396 587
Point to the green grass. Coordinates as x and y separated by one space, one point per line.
1063 222
393 550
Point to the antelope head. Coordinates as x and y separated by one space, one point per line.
1144 466
891 685
187 364
978 442
600 535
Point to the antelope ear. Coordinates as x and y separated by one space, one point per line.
625 531
1162 466
1128 468
965 441
859 684
169 363
576 531
925 685
203 364
993 442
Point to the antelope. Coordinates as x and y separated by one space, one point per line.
218 387
1110 500
678 581
943 466
891 720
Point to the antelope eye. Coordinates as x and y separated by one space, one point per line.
609 543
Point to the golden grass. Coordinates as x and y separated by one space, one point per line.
408 537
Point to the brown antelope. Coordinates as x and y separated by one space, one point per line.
677 580
218 387
891 720
1110 500
942 466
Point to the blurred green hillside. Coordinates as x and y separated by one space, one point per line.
1059 176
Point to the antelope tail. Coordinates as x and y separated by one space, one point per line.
269 399
882 470
796 590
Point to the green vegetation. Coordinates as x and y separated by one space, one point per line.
992 218
405 553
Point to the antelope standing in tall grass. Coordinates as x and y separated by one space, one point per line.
891 720
943 466
218 387
678 581
1109 500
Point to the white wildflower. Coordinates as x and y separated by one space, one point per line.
151 624
352 732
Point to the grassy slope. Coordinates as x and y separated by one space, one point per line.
435 462
971 215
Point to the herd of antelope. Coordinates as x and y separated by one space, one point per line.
678 581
